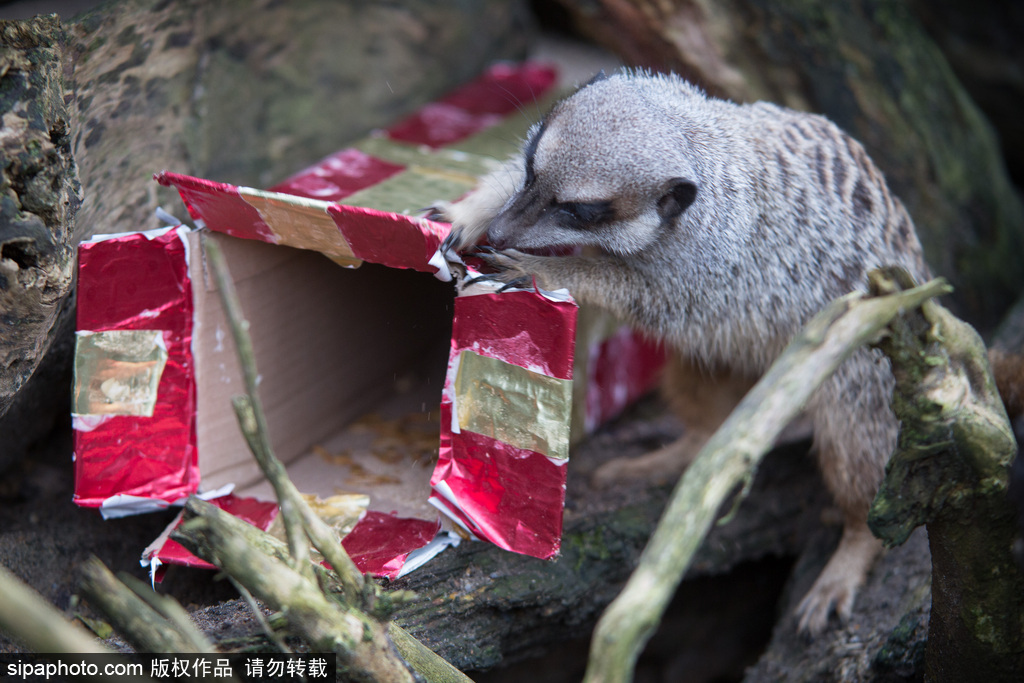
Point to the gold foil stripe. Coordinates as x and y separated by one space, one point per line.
453 161
513 405
412 190
117 372
303 223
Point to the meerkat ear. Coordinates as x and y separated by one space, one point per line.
596 78
678 195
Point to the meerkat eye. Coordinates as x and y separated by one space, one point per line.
583 214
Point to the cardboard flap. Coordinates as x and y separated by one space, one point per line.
505 419
361 204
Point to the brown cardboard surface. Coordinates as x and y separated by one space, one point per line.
332 344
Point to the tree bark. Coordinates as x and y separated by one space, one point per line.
39 195
950 471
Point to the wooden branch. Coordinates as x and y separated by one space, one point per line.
361 642
36 623
423 660
171 610
729 458
951 472
143 623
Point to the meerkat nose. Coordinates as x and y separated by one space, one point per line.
498 234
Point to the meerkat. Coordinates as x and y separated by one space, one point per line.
719 228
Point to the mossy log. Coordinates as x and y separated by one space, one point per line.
39 195
871 68
951 472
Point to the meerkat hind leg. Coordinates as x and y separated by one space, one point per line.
658 466
702 400
836 586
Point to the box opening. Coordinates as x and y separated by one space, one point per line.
352 363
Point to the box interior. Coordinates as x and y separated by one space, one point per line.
351 364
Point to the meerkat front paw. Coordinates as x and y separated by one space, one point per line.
511 267
460 237
469 217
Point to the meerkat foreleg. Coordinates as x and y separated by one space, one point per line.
471 216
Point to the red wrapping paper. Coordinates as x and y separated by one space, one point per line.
380 543
622 368
140 282
476 105
259 513
389 239
510 496
338 176
220 206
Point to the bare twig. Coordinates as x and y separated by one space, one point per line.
36 623
249 408
142 624
423 660
729 457
298 519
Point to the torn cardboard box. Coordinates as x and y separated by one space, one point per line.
352 360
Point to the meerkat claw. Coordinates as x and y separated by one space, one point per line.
448 244
438 211
523 282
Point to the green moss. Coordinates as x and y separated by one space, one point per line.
904 649
585 547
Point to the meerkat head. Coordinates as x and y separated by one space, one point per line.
604 168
